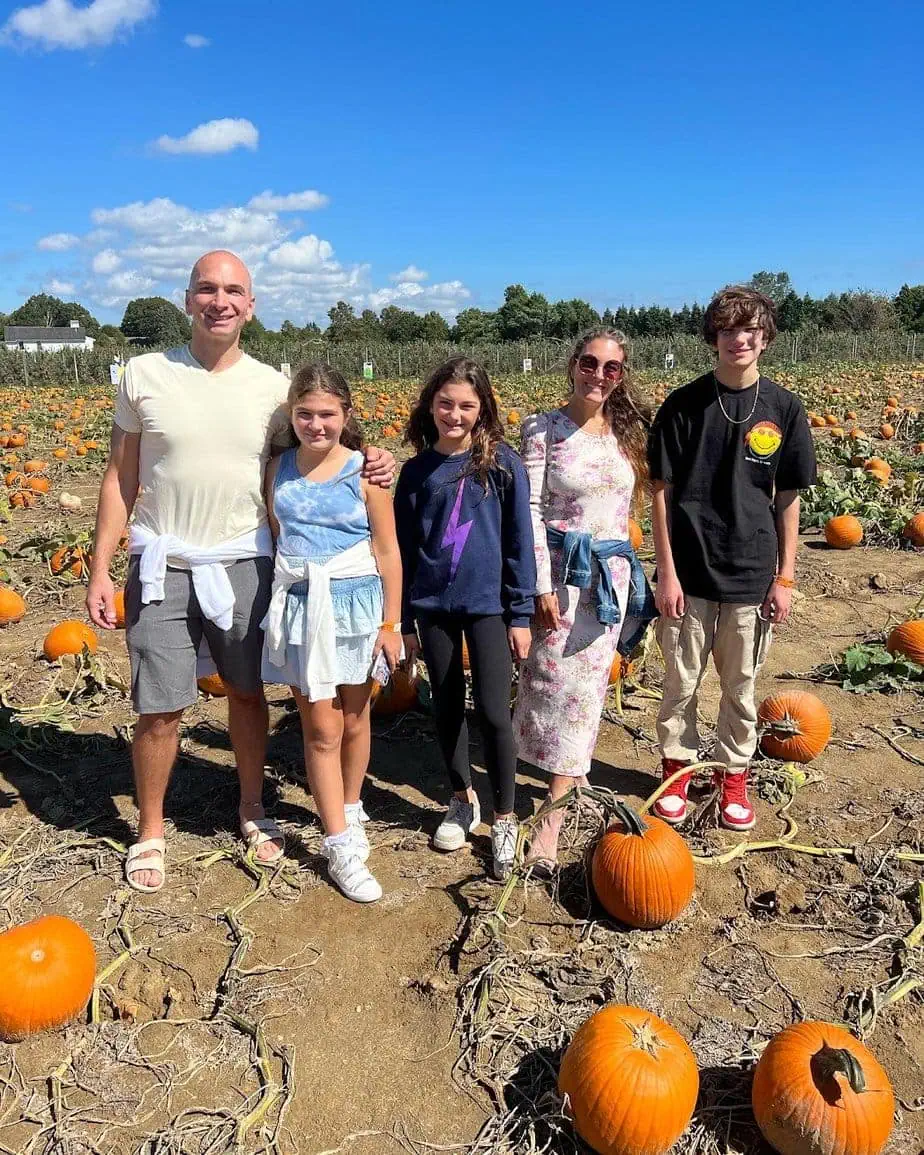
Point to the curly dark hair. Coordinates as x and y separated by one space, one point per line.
628 414
735 306
487 434
316 377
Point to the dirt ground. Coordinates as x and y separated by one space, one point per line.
333 1026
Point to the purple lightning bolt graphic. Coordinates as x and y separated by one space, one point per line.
456 535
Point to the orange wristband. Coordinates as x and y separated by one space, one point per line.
785 582
393 626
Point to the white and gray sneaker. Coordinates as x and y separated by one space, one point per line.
503 847
348 871
461 819
356 819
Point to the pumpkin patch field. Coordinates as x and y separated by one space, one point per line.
693 990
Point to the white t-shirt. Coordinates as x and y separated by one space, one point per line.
205 441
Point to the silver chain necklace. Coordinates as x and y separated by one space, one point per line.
732 420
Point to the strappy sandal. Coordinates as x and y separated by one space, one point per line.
257 833
153 849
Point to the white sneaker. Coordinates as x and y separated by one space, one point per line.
348 871
461 819
503 847
355 820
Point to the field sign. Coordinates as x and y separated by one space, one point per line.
367 370
286 369
115 373
527 364
668 360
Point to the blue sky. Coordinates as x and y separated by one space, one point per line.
431 154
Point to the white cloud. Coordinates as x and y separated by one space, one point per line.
411 273
62 24
60 288
148 247
445 297
106 261
214 136
289 202
305 254
194 40
57 242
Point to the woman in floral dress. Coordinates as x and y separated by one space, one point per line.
584 463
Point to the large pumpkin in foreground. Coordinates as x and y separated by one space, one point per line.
631 1082
47 970
908 639
818 1091
68 637
796 725
643 873
843 532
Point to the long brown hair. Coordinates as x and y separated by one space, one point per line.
316 377
487 434
628 414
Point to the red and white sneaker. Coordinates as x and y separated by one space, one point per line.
672 805
735 811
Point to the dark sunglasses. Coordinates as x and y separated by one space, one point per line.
612 370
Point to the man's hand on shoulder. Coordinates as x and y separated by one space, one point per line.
379 466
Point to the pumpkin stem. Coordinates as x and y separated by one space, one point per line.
831 1060
627 816
645 1039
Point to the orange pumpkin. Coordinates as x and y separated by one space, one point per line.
913 530
396 697
830 419
819 1091
879 464
12 606
49 966
22 499
69 559
619 1048
886 431
843 532
120 609
38 484
620 669
796 724
643 874
68 637
908 639
636 537
212 686
35 466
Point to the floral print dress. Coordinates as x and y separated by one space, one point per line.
585 485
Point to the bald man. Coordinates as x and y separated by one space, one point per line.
193 430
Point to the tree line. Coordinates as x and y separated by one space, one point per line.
524 315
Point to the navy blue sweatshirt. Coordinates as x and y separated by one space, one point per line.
465 549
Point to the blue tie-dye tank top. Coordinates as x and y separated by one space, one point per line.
319 519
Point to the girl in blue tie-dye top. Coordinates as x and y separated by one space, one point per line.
335 607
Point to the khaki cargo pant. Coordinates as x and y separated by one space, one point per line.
738 639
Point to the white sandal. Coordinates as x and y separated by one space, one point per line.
258 833
154 849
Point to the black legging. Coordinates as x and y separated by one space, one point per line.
492 671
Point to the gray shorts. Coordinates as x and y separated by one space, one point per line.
163 637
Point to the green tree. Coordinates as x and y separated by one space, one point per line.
401 325
344 324
474 327
775 285
370 325
909 307
860 311
522 314
155 321
789 313
569 318
111 335
434 327
43 309
607 318
253 330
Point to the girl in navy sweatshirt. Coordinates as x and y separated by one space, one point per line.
466 538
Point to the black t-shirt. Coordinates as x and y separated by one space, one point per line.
724 477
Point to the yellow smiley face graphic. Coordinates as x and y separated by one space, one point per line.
764 438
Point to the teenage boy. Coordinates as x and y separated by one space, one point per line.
728 455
